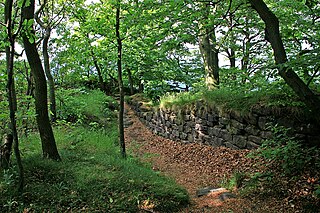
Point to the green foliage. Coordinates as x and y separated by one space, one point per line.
234 182
288 155
155 89
287 166
83 106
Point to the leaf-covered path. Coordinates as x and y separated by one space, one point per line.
193 166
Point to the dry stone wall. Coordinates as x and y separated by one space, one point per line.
212 126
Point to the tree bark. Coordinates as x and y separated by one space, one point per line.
5 151
101 82
121 92
232 58
272 34
246 48
49 147
130 81
208 51
11 37
46 63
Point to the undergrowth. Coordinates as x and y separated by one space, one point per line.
83 106
92 177
289 170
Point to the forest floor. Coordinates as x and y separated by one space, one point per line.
196 166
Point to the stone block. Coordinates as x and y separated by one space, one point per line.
251 145
231 146
239 141
237 124
207 140
252 130
183 136
176 133
251 118
187 117
225 135
224 120
264 122
237 116
187 129
205 116
210 118
214 131
175 127
266 134
190 138
233 130
168 124
255 139
210 123
216 142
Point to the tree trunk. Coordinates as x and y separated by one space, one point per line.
272 34
5 151
46 62
246 47
232 58
119 64
130 82
208 51
101 82
11 92
49 147
141 86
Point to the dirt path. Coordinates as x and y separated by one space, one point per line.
193 166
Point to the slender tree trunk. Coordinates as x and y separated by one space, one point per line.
130 81
101 82
46 62
10 88
246 48
141 86
119 63
291 78
232 58
231 53
29 78
49 147
5 151
208 51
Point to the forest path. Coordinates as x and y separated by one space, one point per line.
193 166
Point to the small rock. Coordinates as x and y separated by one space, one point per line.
207 190
226 195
